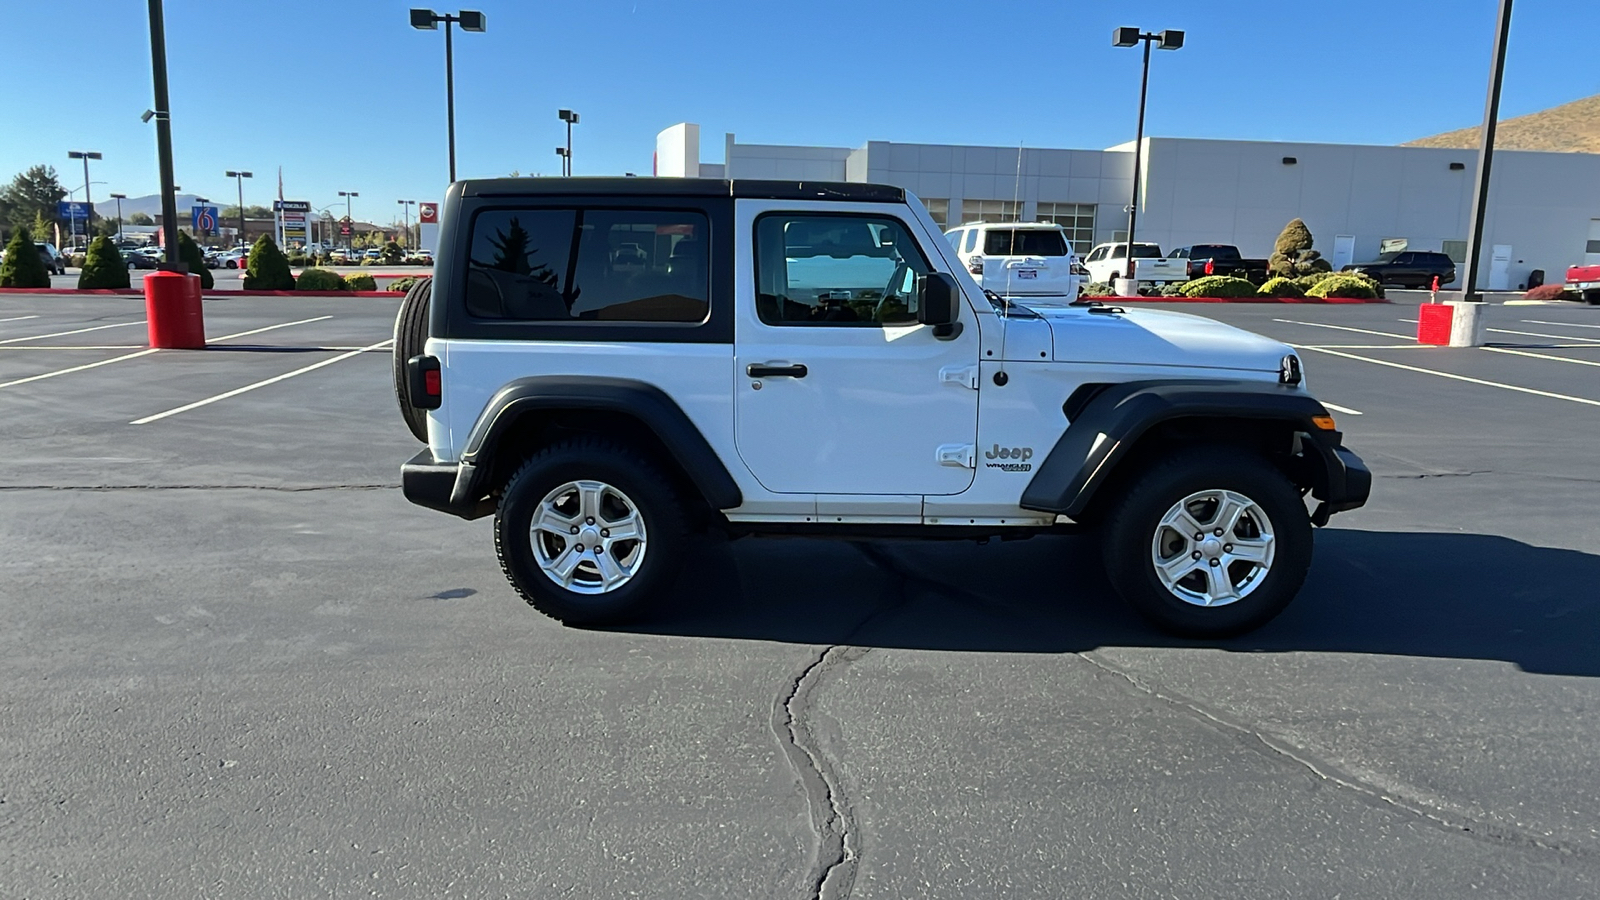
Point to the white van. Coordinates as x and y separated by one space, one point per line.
1019 259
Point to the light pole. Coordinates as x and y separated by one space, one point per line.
571 118
562 152
163 116
405 212
428 20
119 198
85 155
349 216
1480 188
238 178
1130 37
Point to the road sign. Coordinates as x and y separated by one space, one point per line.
203 219
75 212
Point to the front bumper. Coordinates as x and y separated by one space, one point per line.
444 486
1346 481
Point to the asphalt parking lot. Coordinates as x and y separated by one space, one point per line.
238 663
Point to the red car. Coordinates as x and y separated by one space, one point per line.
1585 282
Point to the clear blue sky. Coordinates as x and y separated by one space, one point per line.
344 95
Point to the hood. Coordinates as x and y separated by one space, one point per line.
1157 337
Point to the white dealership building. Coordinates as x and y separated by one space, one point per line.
1544 208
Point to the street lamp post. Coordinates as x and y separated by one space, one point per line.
85 155
349 241
119 198
428 20
571 118
238 178
1130 37
1480 187
405 211
562 152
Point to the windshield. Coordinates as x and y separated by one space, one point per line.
1024 242
1388 257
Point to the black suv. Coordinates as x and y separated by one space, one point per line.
1408 268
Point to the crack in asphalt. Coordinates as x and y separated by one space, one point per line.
1452 821
282 488
832 819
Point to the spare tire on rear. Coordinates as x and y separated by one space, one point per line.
410 333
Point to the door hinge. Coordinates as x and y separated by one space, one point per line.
959 456
966 376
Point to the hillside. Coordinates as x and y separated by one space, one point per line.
150 205
1569 128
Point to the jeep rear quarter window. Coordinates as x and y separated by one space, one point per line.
1024 242
835 270
601 265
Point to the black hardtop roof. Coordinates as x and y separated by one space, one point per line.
742 188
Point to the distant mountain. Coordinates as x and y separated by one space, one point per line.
1569 128
150 205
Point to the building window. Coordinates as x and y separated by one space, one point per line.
1077 219
989 211
939 209
1456 250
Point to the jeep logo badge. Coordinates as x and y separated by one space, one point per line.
1019 455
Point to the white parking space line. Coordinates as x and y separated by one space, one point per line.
1576 362
93 365
40 337
1405 337
1559 337
1363 346
18 318
229 337
260 384
1344 410
1560 324
72 347
1451 375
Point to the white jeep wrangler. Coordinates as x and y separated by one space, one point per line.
607 365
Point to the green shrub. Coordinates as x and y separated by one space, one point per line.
369 261
1281 287
1219 286
1307 282
402 284
1368 280
298 260
1097 289
360 281
319 280
103 267
1343 285
23 268
1292 255
1173 289
392 254
194 259
268 269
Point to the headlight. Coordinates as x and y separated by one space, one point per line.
1289 370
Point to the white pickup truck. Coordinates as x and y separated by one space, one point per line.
1108 263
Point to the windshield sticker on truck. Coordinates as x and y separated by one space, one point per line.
1021 455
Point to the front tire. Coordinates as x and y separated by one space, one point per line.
590 531
1210 544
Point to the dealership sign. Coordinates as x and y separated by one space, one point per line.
293 221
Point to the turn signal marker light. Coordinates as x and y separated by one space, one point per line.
1326 423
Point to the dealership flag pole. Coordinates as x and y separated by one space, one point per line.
1480 188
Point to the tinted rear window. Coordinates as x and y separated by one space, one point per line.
1024 242
1214 251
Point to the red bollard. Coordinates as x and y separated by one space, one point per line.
172 311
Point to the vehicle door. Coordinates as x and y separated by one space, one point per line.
838 389
1404 269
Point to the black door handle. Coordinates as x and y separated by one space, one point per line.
757 370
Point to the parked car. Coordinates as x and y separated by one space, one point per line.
1408 268
51 257
420 256
811 401
237 258
343 256
1585 282
372 253
1019 259
1107 263
1220 259
144 258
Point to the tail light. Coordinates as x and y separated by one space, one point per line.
975 265
426 382
1079 268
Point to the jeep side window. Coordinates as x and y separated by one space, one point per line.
589 265
836 270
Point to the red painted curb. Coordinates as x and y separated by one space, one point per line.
1312 300
211 293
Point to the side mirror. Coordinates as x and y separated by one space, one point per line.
936 304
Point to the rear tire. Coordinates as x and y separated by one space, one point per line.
1261 557
410 334
544 518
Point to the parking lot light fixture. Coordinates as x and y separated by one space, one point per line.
119 198
571 118
405 212
239 178
562 152
349 215
469 20
1132 37
85 155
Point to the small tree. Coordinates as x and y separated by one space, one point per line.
140 218
392 254
1292 255
23 268
103 267
269 268
195 260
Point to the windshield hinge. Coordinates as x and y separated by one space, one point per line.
958 456
965 376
